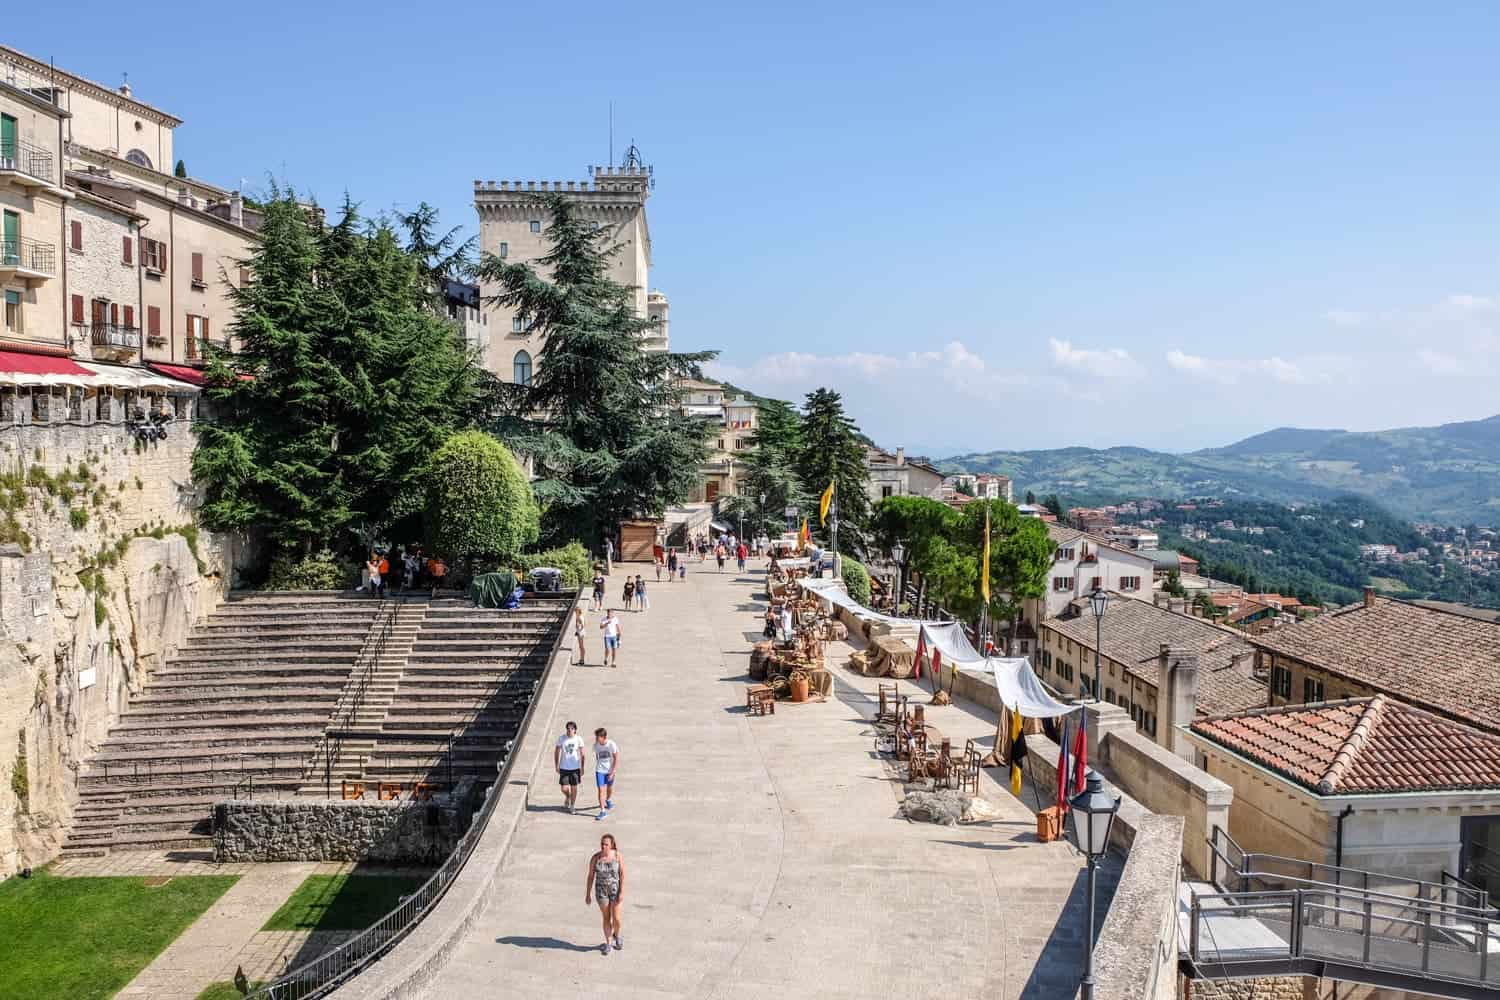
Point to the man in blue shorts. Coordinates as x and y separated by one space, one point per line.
606 762
610 626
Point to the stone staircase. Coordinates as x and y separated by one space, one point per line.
368 694
237 708
469 678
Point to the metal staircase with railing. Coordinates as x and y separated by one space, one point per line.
1265 915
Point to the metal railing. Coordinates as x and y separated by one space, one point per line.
24 252
1230 867
114 335
323 974
331 744
22 156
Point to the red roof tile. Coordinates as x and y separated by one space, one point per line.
1361 746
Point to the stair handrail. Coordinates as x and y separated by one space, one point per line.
331 743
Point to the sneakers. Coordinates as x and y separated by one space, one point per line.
601 815
604 948
609 803
618 943
572 808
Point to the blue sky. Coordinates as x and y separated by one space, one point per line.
989 226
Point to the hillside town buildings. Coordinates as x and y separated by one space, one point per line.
892 474
1083 563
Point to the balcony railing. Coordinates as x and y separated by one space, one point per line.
28 254
17 154
115 335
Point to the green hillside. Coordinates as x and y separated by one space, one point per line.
1449 473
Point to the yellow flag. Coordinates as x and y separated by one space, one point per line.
823 504
802 536
1015 762
984 569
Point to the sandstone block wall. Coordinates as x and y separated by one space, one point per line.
332 830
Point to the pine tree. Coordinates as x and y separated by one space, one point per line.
600 419
830 451
180 170
443 258
351 384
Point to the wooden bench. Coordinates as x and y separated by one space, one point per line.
352 790
760 700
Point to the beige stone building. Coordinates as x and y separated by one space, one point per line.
32 200
1163 667
1370 783
103 282
1437 660
890 474
732 424
513 226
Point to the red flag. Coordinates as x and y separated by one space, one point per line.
921 648
937 664
1080 752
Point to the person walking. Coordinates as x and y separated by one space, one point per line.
578 633
385 574
606 763
568 757
372 567
742 552
598 604
719 555
628 595
436 571
641 604
657 561
671 564
606 887
610 626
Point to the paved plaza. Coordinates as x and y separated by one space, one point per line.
765 856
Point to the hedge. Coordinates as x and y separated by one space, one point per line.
573 559
856 580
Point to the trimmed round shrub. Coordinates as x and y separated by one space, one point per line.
856 580
573 559
478 500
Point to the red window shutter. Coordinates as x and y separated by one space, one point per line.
130 316
153 321
203 325
198 267
78 309
114 314
161 250
75 231
125 248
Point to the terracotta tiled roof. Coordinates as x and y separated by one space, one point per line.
1361 746
1434 659
1134 631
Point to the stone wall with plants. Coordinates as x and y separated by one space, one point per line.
103 571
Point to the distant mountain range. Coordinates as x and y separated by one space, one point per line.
1449 474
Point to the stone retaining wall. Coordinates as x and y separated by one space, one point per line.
331 830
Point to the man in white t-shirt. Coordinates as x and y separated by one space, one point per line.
606 762
568 756
610 626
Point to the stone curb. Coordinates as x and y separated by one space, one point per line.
404 972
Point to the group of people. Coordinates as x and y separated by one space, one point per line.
415 568
634 594
610 626
605 879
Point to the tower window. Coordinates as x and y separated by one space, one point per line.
536 225
521 368
504 250
515 324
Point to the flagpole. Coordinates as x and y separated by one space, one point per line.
834 512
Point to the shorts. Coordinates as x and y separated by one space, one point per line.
611 642
570 776
603 779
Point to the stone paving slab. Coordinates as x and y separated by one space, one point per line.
765 856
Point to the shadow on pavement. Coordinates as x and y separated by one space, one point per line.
551 943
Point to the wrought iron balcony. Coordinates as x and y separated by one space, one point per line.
28 259
115 335
22 157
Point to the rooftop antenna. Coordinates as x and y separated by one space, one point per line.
611 133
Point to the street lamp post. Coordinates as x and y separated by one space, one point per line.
898 554
1099 601
1092 814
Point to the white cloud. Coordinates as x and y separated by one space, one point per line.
952 366
1230 371
1472 301
1112 362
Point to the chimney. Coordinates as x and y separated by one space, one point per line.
182 196
1369 597
236 208
1177 687
900 456
124 90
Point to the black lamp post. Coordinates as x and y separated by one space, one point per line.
1099 601
898 554
1092 814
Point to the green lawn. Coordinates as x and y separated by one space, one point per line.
85 938
341 902
224 990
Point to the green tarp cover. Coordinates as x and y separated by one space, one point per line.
492 590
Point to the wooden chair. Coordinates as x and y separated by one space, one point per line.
351 790
968 770
889 698
389 791
921 762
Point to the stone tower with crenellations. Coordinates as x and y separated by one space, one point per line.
513 225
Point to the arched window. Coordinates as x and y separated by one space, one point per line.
139 158
521 368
